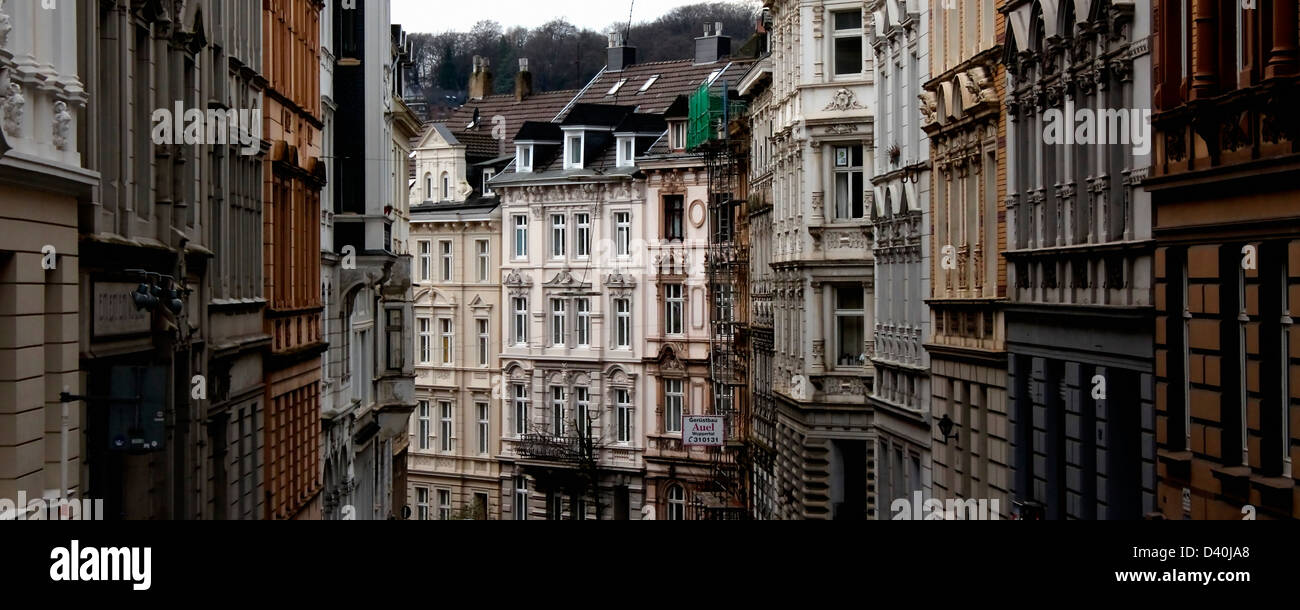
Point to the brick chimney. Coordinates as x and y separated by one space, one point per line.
713 46
620 55
480 81
523 81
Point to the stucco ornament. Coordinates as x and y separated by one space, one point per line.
5 26
62 124
13 110
843 100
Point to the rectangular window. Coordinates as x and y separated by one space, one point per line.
557 411
554 506
723 399
422 503
623 233
484 342
848 183
521 321
558 315
626 153
623 323
521 499
521 409
444 408
582 414
521 236
484 260
582 239
674 307
850 326
573 152
559 233
623 407
584 322
483 430
448 340
677 135
848 42
444 249
674 215
395 336
673 400
525 154
426 341
444 505
426 426
487 176
426 260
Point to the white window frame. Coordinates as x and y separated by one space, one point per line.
559 399
521 237
483 412
674 405
838 34
847 313
521 499
446 186
623 415
582 308
520 326
582 236
446 426
484 341
623 234
524 154
428 187
570 140
446 267
559 236
676 503
623 323
674 309
444 504
424 429
677 135
484 270
426 340
426 260
487 175
845 167
626 155
447 341
422 503
521 410
582 411
559 313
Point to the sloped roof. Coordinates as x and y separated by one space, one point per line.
681 77
479 141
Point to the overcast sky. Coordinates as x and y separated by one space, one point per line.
432 16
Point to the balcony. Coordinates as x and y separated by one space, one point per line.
549 447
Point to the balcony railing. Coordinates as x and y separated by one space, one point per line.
549 447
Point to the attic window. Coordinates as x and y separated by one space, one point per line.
713 76
626 152
525 157
648 84
616 87
573 153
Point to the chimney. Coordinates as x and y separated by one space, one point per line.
480 81
713 46
620 55
523 81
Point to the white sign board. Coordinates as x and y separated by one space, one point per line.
702 431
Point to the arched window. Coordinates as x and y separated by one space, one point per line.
446 186
676 503
428 186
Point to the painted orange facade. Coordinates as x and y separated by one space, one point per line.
293 177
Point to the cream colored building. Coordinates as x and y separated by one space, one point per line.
41 181
455 430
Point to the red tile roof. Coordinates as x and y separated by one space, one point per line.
681 77
479 142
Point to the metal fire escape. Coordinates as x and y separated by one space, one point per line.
712 112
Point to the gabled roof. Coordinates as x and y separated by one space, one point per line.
681 77
479 142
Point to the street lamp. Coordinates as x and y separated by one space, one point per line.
945 428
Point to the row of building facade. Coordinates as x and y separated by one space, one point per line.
178 305
1035 252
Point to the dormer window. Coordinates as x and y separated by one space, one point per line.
573 154
626 152
677 135
487 176
524 155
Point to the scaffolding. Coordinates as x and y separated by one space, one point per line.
713 121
